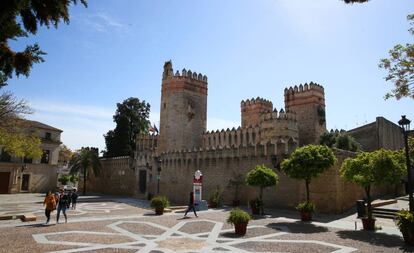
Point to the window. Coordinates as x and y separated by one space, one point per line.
45 156
48 136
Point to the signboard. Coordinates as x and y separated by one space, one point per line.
197 186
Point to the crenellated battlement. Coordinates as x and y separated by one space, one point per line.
183 75
304 89
275 115
257 101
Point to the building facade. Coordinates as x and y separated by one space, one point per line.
32 175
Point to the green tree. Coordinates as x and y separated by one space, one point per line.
261 177
19 18
131 118
85 161
20 144
373 168
400 67
308 162
339 139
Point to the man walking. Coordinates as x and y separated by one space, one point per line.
191 205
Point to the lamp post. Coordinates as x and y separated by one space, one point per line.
158 175
405 125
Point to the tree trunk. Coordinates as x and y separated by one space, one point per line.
307 181
84 181
369 207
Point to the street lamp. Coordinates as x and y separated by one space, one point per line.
405 125
158 175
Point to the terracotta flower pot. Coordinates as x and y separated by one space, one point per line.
159 210
368 223
305 216
408 236
240 228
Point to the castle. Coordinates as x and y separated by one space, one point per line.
165 163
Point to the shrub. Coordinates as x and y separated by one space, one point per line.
307 207
216 198
238 216
159 201
64 179
405 220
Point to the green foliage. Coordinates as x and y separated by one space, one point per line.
262 176
340 140
160 201
73 178
216 197
64 179
20 144
256 203
400 67
374 168
85 160
405 220
238 216
131 118
308 161
307 207
19 19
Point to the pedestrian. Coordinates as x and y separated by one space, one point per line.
62 205
74 199
191 205
69 198
50 205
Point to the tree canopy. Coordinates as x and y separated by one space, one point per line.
400 67
340 140
132 119
374 168
85 161
308 162
19 18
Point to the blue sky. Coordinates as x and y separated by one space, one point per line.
113 50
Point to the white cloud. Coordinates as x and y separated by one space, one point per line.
102 22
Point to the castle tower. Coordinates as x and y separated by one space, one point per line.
183 118
308 102
252 109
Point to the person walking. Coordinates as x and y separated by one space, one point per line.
50 205
62 205
74 199
191 205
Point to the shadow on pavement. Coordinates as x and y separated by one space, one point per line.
298 227
379 239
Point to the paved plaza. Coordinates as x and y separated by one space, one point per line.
107 224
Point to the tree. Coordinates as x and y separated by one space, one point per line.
86 160
308 162
19 18
131 118
262 177
65 154
373 168
339 139
19 143
400 67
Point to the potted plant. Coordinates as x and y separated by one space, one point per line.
306 209
372 168
236 182
256 205
261 177
405 222
159 203
216 198
306 163
239 219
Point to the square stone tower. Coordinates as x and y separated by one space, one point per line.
183 118
251 109
308 102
